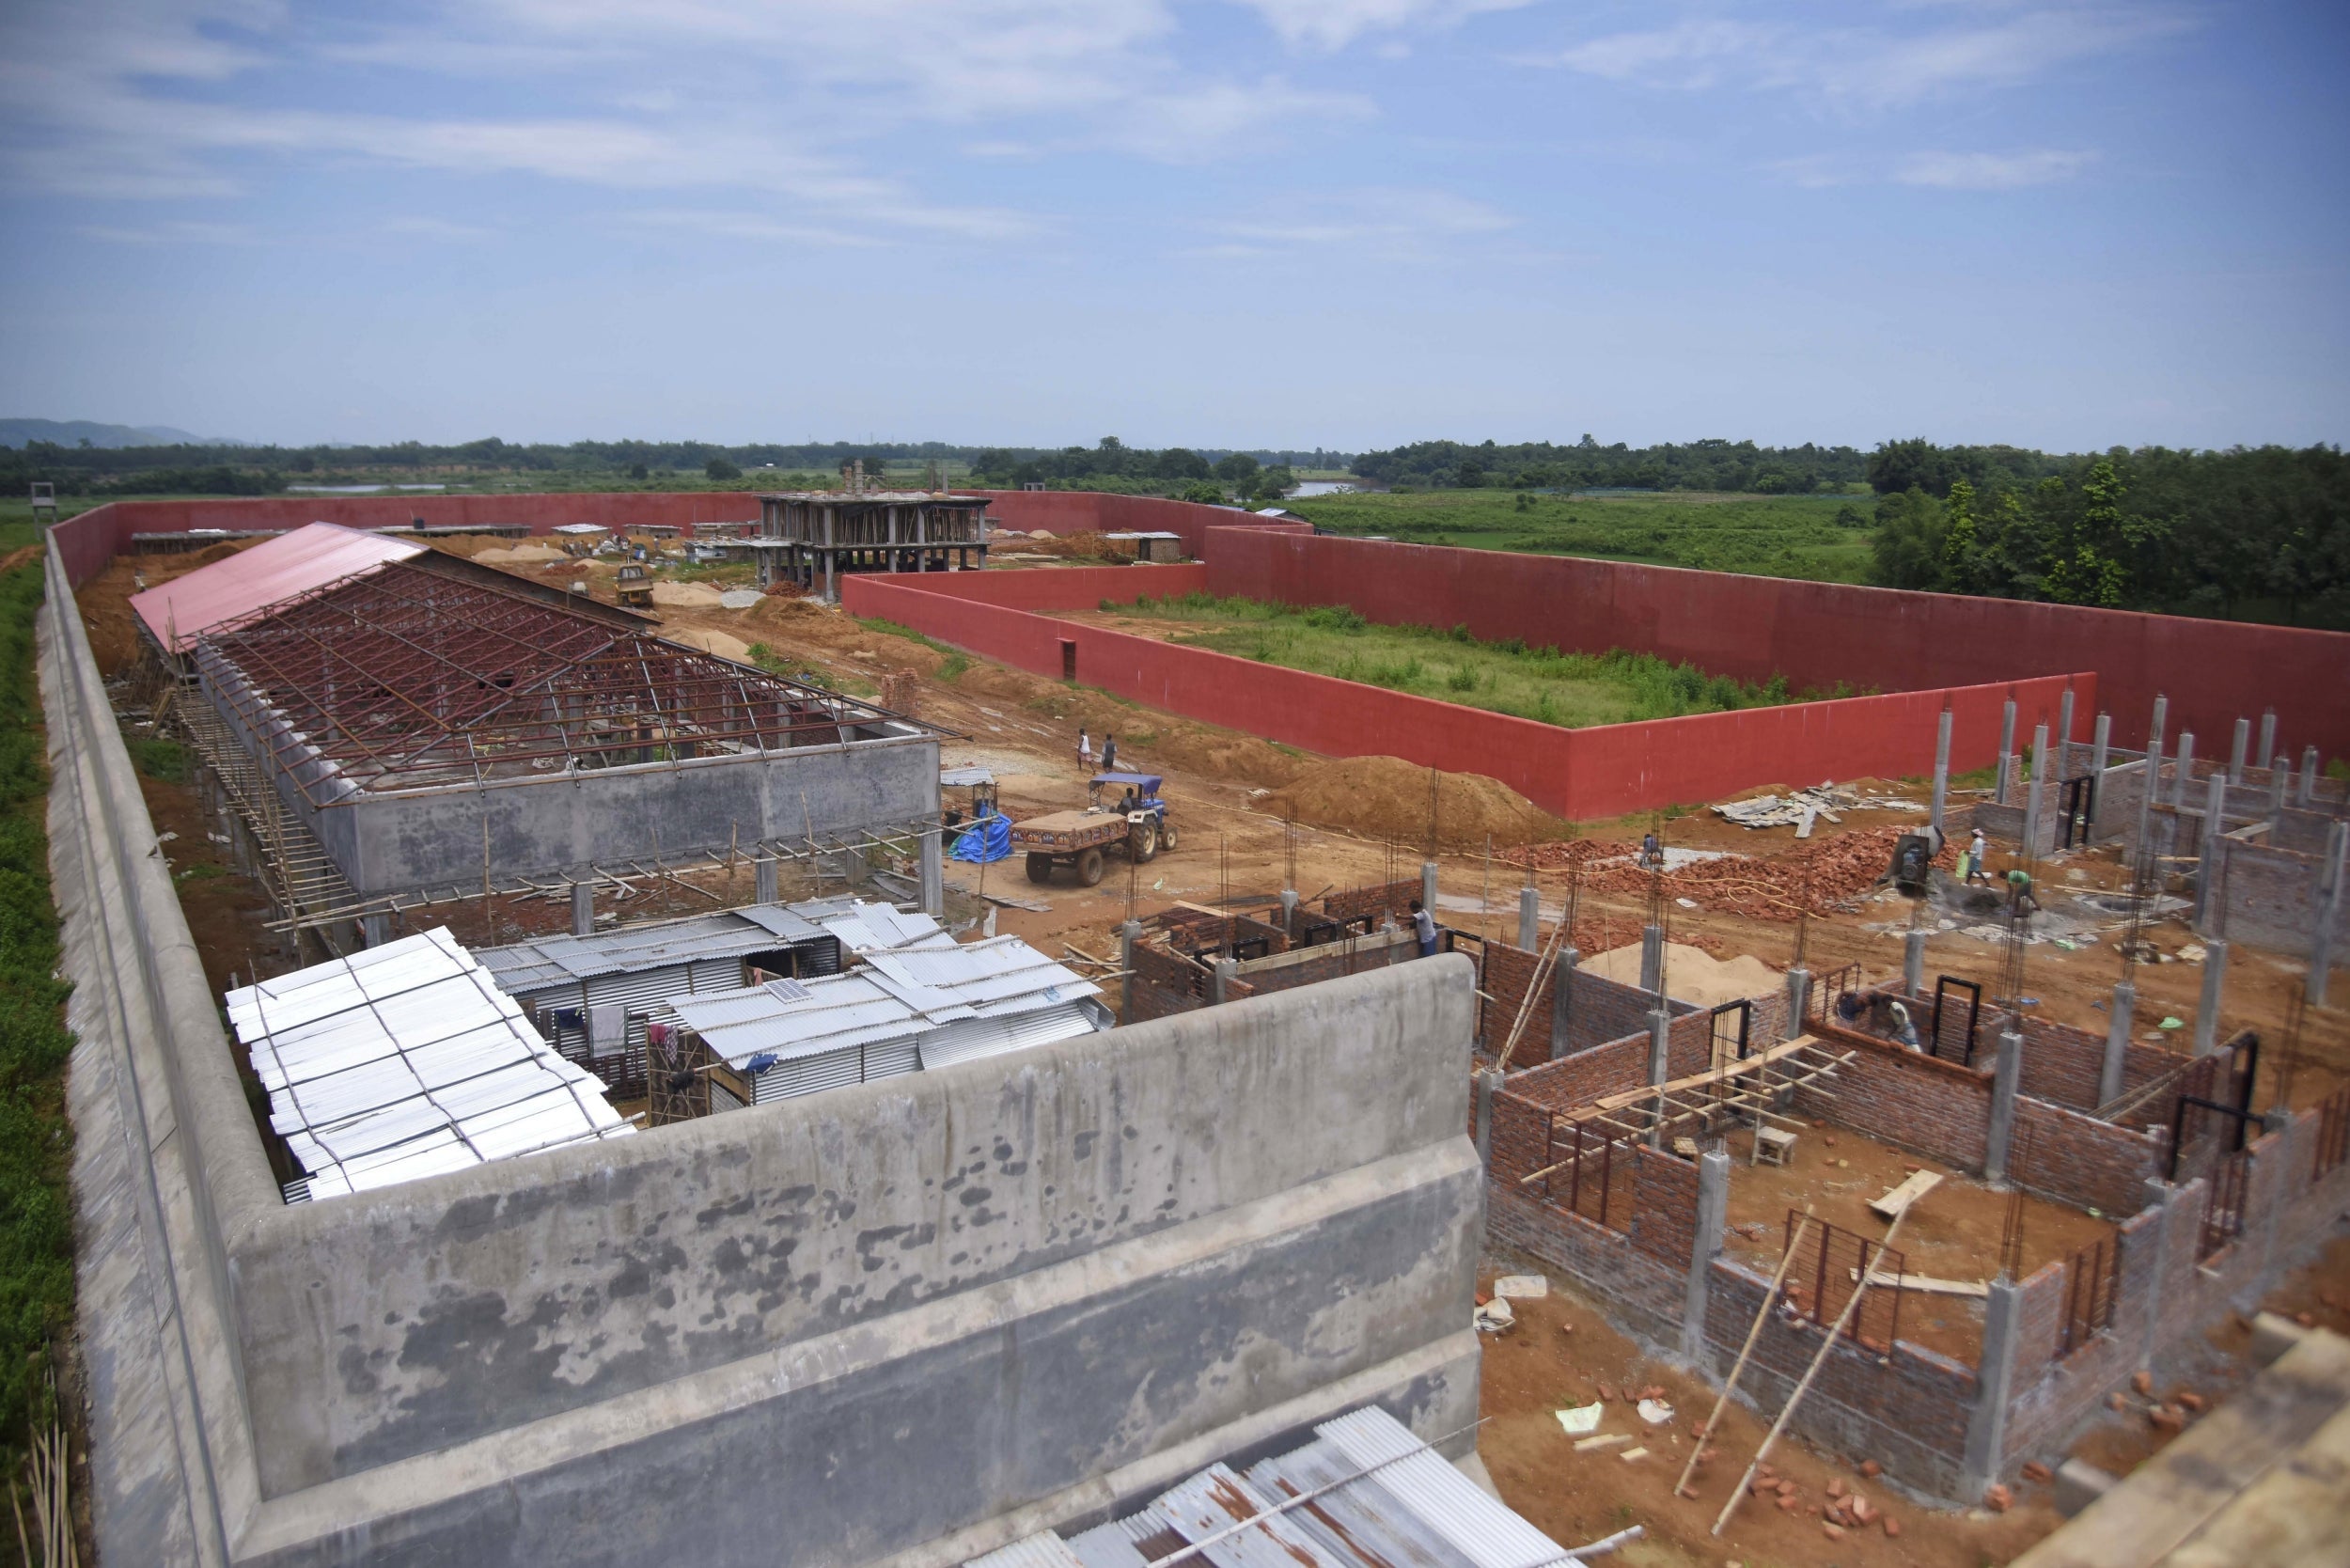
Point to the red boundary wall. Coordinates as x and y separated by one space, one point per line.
1819 633
1600 772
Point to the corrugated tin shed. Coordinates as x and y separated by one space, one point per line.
1415 1510
524 970
179 612
407 1060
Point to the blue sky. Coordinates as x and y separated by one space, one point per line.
1290 223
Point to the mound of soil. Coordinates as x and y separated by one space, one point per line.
711 642
685 594
1385 797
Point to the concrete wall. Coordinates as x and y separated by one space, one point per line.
906 1321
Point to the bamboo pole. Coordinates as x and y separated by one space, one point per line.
1852 1305
1721 1401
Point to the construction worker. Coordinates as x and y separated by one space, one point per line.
1904 1032
1109 753
1977 851
2019 894
1652 850
1085 752
1425 925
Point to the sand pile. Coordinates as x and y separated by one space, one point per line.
1385 797
500 553
1692 974
711 642
687 595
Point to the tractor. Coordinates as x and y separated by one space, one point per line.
1124 813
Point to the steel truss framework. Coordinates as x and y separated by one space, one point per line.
400 678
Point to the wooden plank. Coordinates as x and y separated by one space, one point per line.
1915 1186
1735 1071
1926 1284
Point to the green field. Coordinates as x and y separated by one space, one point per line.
1539 683
1824 538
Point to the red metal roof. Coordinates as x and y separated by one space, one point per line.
181 611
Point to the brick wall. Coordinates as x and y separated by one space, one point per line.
1330 961
1600 1010
1642 1295
1165 984
1689 1043
1665 1225
2077 1159
1931 1107
1378 900
2061 1063
1908 1409
2271 897
1506 969
1586 1076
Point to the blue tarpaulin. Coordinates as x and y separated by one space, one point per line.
985 841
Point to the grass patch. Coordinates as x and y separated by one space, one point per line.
163 761
894 629
36 1215
1821 538
1541 683
952 670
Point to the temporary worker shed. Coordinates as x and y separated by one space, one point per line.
407 1060
900 1011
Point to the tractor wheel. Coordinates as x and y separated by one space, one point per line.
1039 867
1089 867
1166 834
1142 842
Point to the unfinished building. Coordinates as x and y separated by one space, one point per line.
409 734
815 538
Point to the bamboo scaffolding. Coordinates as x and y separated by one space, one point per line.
1730 1387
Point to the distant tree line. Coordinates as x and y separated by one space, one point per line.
2258 533
1719 466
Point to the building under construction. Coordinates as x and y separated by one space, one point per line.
814 538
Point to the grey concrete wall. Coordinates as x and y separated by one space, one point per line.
2270 897
548 825
909 1320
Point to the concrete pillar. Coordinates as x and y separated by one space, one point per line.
1129 933
2305 789
1941 775
1227 971
933 864
583 909
2035 798
2186 768
766 879
1660 1025
2006 750
1913 962
2333 873
2212 853
375 930
1652 958
2099 751
1713 1214
2153 776
1529 918
2064 735
1798 994
2109 1073
2236 747
1488 1080
2007 1068
2268 733
2214 988
1289 910
2279 770
1428 888
1562 999
1995 1382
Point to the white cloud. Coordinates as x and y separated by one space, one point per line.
1991 171
1335 23
1871 68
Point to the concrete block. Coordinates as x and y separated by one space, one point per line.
2078 1483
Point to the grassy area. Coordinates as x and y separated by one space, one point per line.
1822 538
36 1213
1539 683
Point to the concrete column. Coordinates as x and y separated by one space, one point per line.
2007 1068
2211 854
375 929
1913 962
2153 776
2305 789
583 909
1660 1025
2117 1042
1798 994
2099 751
1561 999
1227 971
1652 958
2236 748
1488 1080
1289 910
766 879
2333 873
2214 988
933 864
1941 775
2268 733
2279 770
1530 918
2185 766
1129 933
2036 796
1428 888
2006 750
1995 1381
1713 1214
2064 734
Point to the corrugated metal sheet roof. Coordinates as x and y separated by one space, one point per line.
896 996
407 1060
523 968
1042 1550
1478 1525
1217 1498
182 610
